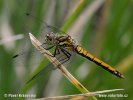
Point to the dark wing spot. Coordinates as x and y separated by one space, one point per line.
15 56
27 14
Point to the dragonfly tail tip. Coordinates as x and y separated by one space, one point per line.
122 76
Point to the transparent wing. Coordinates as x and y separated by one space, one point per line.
45 27
44 72
62 56
27 52
43 30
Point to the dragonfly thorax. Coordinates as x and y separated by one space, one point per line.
67 42
64 41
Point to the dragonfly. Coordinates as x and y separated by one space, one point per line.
64 44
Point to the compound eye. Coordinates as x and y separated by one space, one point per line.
69 37
48 37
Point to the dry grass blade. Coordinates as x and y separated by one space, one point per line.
56 64
80 96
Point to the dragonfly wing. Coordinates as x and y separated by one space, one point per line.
44 72
45 27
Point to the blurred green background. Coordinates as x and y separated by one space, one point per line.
103 27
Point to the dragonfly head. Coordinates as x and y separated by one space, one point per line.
50 37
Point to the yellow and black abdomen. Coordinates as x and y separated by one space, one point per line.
81 51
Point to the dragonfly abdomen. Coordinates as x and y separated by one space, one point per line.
81 51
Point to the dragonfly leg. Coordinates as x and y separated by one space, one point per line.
50 47
47 48
66 58
56 51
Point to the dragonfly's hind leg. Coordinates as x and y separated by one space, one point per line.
66 58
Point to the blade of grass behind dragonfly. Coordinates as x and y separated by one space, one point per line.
56 63
71 19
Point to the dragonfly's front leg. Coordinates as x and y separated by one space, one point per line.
48 48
